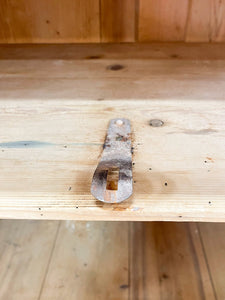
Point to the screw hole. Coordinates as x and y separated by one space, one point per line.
156 123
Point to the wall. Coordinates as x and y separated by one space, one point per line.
79 21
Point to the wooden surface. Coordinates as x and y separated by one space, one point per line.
169 261
25 251
54 114
29 21
117 21
189 20
111 260
76 21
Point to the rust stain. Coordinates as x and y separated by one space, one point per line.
119 208
210 159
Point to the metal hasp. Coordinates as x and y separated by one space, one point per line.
112 181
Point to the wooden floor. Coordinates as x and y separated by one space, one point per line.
111 260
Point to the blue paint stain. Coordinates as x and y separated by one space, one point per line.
25 144
38 144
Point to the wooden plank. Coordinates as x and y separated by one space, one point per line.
94 53
25 250
217 14
198 23
117 20
53 169
166 263
162 20
214 246
90 261
190 21
139 77
49 21
53 141
206 21
77 21
201 263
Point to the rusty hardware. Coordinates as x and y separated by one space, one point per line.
112 180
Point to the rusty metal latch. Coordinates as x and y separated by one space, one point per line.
112 181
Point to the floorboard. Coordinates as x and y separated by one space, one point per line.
90 261
46 260
213 239
25 251
166 263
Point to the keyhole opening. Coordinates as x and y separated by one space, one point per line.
112 179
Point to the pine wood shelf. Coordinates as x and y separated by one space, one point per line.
55 105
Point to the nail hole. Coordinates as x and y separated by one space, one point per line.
115 67
94 57
174 56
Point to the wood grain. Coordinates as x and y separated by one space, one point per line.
60 72
51 150
49 21
96 53
111 260
198 21
117 20
90 261
165 263
54 138
190 21
162 20
201 261
25 251
217 14
205 21
77 21
214 248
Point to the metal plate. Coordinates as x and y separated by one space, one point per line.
112 181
